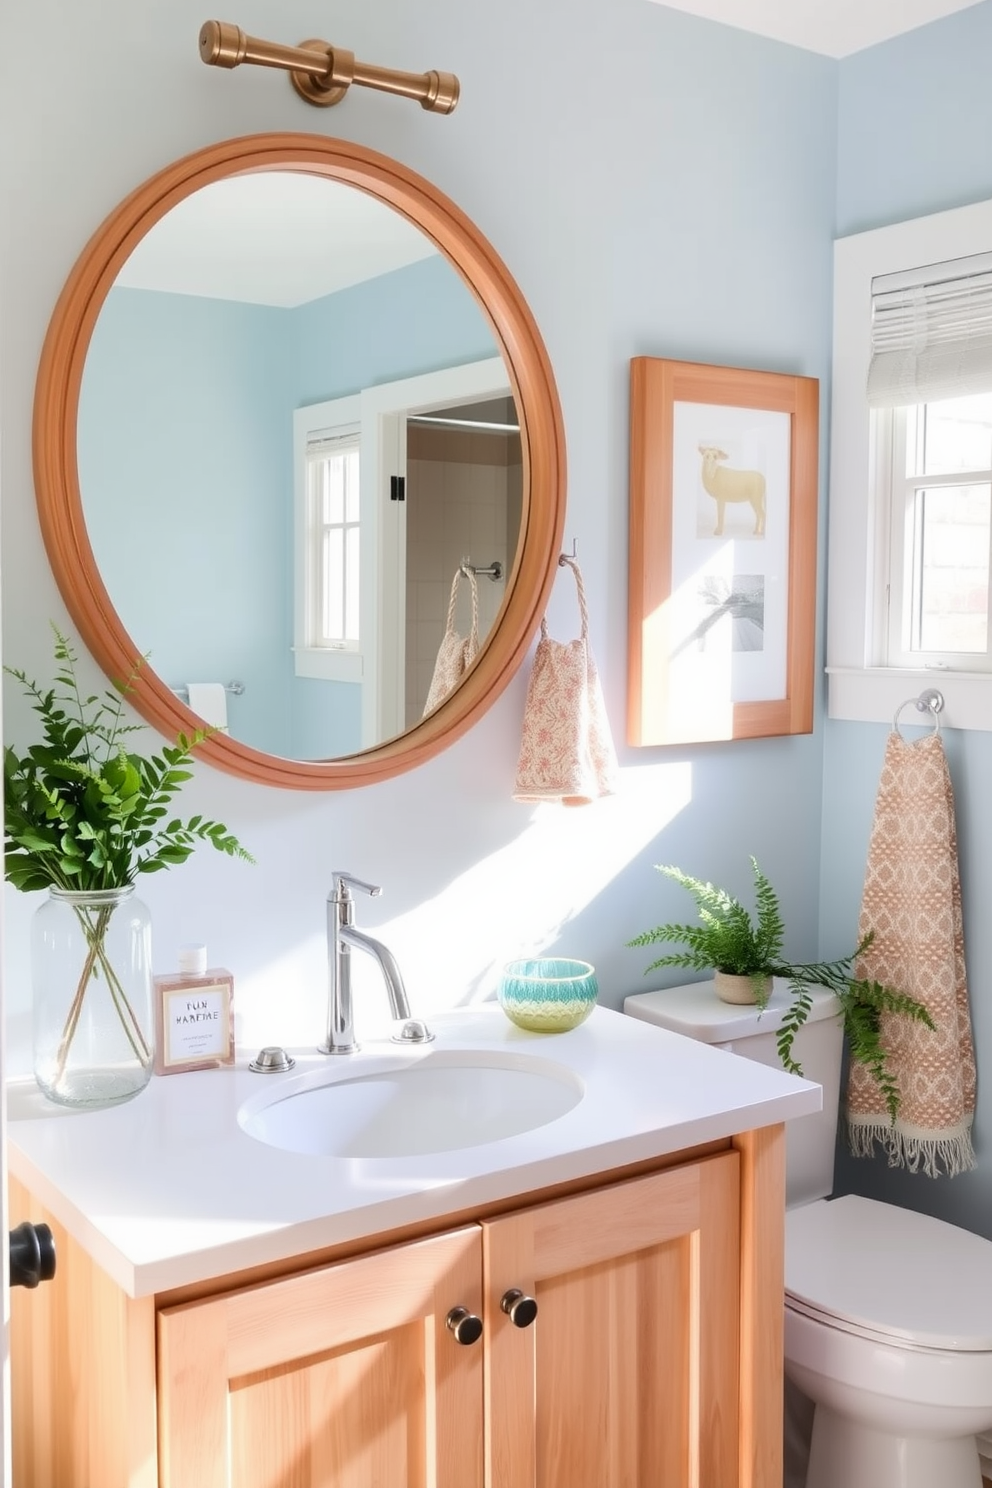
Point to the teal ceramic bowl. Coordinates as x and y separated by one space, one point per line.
548 995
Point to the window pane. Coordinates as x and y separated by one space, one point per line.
351 509
351 584
333 543
334 489
333 616
952 579
958 435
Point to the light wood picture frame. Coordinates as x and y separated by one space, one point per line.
722 568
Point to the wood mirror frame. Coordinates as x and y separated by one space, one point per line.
57 477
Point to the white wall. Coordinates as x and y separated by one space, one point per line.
657 185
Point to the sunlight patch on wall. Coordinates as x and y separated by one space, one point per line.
515 901
519 900
700 662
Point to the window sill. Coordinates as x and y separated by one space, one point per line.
328 664
873 694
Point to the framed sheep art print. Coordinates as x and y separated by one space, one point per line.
722 573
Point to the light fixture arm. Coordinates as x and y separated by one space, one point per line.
322 74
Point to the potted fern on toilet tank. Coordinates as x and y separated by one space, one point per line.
744 951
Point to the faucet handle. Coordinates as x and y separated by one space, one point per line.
344 881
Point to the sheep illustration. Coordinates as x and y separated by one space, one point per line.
725 484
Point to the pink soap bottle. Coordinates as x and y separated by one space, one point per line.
194 1015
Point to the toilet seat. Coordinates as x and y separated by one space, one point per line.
871 1335
889 1275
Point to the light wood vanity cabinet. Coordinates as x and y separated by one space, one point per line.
649 1363
345 1375
630 1373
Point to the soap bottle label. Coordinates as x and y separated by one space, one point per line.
195 1023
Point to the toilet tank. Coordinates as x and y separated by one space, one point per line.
698 1013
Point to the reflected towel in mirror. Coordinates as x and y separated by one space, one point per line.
208 700
456 653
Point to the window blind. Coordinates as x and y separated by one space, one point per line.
931 333
319 446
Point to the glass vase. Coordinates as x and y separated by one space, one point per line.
91 964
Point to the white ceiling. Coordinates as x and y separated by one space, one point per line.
834 27
273 238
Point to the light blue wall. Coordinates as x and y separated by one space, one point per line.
655 184
915 123
417 319
186 426
915 136
185 429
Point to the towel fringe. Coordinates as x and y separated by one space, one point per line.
953 1150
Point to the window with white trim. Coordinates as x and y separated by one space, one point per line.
333 541
910 514
930 394
329 640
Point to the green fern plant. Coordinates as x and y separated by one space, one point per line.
727 938
81 811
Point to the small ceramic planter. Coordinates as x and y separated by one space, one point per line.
740 989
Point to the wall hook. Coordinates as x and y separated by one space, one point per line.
492 570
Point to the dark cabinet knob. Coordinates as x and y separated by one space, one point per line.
32 1254
466 1327
519 1308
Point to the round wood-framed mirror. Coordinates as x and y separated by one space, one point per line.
66 508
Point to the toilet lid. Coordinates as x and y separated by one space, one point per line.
890 1271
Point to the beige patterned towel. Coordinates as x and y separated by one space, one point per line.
912 903
456 653
566 749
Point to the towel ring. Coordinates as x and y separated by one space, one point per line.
930 702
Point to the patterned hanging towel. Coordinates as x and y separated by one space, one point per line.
455 653
566 752
912 903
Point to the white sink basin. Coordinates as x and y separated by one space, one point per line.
389 1108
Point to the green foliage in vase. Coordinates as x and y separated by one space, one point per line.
83 812
727 938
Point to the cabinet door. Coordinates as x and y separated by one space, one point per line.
343 1377
629 1377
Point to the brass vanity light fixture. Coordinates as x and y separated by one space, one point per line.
322 74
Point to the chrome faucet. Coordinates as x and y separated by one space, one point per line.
342 937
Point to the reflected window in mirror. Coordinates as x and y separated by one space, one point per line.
335 543
330 639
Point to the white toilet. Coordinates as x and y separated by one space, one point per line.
888 1313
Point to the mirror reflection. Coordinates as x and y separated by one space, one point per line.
294 428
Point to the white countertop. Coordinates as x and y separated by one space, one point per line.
167 1189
